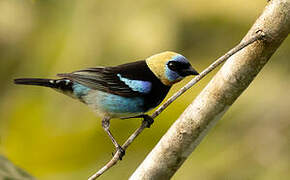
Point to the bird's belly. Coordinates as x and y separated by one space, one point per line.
113 105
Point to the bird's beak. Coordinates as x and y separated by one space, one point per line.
189 71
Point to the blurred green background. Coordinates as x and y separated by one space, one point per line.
54 137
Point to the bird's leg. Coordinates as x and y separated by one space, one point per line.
106 127
145 117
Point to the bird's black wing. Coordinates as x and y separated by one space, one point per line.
117 80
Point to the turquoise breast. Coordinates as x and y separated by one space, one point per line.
115 106
80 90
121 105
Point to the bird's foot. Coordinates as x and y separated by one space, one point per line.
122 152
148 119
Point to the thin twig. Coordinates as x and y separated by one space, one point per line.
116 156
259 35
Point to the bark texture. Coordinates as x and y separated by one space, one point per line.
222 91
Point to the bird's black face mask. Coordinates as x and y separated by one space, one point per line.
182 68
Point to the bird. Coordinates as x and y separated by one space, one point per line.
124 91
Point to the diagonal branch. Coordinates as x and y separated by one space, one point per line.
257 36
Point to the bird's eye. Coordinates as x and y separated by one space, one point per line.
173 66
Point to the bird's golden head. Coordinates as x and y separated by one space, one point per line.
170 67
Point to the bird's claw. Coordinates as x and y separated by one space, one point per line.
149 120
122 152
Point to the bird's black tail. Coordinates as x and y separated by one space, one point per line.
61 84
36 81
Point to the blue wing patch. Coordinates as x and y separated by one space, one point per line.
137 85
